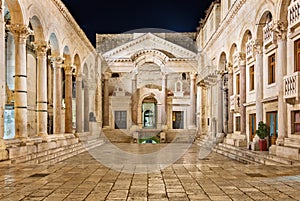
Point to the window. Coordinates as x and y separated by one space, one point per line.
115 75
252 126
296 122
297 55
251 78
183 76
237 85
237 123
271 69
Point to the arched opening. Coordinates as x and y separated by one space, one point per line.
149 112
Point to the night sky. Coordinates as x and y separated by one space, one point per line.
118 16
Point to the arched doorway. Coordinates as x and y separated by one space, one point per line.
149 112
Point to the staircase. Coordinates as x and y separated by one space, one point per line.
52 151
180 136
117 135
252 157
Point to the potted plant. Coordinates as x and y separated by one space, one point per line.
262 132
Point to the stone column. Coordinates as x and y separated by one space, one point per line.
192 124
68 98
20 32
242 66
42 115
258 73
134 97
220 104
79 121
164 92
57 94
280 30
230 93
106 100
3 70
86 106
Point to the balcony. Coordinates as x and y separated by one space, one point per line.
235 103
291 87
249 49
268 34
294 14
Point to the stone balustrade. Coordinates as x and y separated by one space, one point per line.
249 49
236 59
294 14
268 33
235 103
292 86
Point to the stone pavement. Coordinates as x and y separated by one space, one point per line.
213 178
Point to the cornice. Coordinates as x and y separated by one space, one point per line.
145 37
227 20
67 15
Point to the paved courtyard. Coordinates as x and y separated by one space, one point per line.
84 178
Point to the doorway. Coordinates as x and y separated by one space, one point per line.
120 119
272 122
178 119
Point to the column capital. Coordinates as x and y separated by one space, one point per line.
257 47
41 47
193 75
229 67
69 69
20 31
241 59
106 75
56 61
280 29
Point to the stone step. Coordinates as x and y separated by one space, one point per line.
117 136
235 157
55 154
254 156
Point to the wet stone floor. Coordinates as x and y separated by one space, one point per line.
84 177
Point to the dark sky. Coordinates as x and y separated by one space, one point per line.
118 16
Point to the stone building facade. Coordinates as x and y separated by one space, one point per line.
50 78
149 81
249 66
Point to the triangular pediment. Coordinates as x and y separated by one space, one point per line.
149 41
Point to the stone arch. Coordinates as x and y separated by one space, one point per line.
222 61
85 71
54 45
246 37
264 18
67 56
37 28
150 56
77 64
16 12
282 10
233 49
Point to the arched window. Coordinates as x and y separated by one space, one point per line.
183 76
